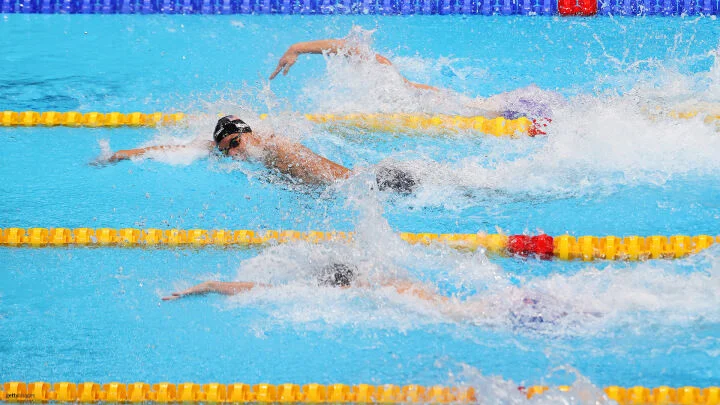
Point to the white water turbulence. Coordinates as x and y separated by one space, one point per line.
592 302
467 291
355 82
497 390
595 143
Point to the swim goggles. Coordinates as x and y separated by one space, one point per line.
234 143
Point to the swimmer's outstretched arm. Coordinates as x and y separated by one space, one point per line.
330 46
127 154
220 287
290 56
410 288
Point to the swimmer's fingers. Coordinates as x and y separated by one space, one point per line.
287 68
284 64
180 294
99 162
106 160
277 69
174 296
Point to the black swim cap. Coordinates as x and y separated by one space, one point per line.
337 275
227 126
395 179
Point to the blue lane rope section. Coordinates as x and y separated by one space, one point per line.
379 7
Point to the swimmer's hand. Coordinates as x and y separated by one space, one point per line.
287 60
105 159
122 155
99 162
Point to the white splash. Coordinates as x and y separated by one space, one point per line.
500 391
595 144
482 294
355 82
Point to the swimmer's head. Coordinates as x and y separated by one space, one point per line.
232 128
337 275
391 178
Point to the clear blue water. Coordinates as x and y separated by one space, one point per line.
609 166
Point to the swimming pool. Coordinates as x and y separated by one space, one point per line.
610 165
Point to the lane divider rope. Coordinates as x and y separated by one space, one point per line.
365 7
563 247
686 115
498 126
88 119
316 393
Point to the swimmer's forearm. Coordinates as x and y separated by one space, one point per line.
230 287
220 287
320 46
421 86
290 56
408 288
127 154
132 153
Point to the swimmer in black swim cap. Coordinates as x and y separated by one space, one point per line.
392 178
527 313
334 275
233 137
230 126
337 275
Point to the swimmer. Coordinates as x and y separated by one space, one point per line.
530 101
332 46
338 275
526 312
234 138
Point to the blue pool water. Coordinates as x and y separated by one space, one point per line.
612 164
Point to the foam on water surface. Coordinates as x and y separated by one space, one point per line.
596 142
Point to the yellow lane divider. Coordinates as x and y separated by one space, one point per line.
233 393
709 118
89 119
377 122
564 247
497 126
317 393
662 395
